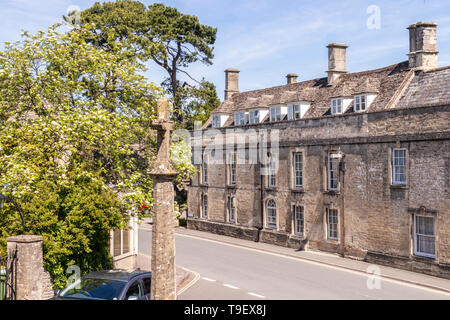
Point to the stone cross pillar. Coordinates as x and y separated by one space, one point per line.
163 239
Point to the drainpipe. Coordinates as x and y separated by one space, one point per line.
258 236
342 168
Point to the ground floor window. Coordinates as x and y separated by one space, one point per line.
332 224
424 237
232 209
299 221
205 206
271 216
121 242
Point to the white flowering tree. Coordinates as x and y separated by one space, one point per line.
74 144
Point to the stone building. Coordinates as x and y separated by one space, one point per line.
355 163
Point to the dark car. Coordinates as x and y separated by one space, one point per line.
109 285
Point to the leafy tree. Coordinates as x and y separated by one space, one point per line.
75 144
171 39
199 102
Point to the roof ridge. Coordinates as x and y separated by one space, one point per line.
437 69
393 66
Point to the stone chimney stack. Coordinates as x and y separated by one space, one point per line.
291 78
423 52
231 82
336 61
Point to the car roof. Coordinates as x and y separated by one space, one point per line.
118 275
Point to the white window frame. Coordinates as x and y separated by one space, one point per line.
232 169
331 223
216 123
275 114
297 211
232 207
330 186
254 116
337 106
271 177
240 119
204 206
297 171
417 235
399 169
122 252
359 104
271 214
295 112
205 169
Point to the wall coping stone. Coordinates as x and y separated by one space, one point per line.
25 238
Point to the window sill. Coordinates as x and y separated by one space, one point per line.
231 186
332 192
298 237
399 186
203 185
423 257
298 190
271 188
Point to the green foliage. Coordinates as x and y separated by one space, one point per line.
74 144
198 104
171 39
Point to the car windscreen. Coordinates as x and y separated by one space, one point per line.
94 289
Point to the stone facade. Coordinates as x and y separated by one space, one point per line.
375 216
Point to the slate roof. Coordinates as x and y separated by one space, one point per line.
428 89
385 82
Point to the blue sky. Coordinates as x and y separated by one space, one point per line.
267 39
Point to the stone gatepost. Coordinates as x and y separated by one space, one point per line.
163 238
32 281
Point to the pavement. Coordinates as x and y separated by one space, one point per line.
183 276
222 260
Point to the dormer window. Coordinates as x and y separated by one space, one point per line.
254 116
298 110
360 103
216 122
275 114
295 112
336 106
239 119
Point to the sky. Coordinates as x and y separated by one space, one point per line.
267 39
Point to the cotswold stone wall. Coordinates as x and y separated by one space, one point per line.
376 217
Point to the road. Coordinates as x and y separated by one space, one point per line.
234 273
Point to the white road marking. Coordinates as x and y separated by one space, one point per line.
196 277
256 295
208 279
300 259
230 286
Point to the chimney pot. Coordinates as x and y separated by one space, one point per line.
336 61
291 78
231 82
423 52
